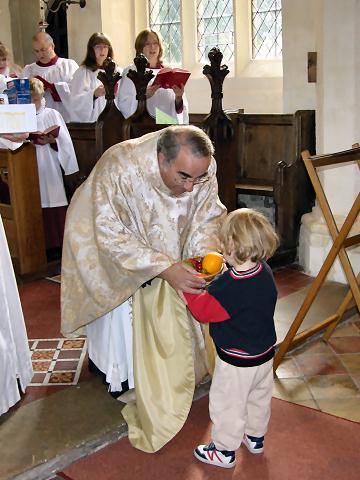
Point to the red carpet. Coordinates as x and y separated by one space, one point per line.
301 443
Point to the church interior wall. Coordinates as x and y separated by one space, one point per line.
5 22
322 26
337 105
81 24
299 38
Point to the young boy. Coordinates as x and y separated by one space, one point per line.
53 155
239 305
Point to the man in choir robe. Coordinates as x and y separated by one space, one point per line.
55 73
148 204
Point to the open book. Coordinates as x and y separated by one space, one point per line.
53 131
168 77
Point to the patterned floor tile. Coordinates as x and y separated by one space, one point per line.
57 361
332 386
345 344
319 364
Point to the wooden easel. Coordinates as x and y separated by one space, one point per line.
341 241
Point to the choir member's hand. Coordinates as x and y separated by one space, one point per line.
44 140
182 277
179 92
151 89
15 137
99 91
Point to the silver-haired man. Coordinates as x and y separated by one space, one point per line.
55 73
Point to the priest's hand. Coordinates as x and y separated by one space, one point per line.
182 277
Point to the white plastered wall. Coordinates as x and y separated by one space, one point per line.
330 28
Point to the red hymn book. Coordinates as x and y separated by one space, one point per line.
168 77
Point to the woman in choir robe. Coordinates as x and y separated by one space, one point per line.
173 101
7 67
87 91
53 154
15 358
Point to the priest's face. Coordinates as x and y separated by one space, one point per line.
184 172
43 50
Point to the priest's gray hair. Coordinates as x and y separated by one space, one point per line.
44 36
173 138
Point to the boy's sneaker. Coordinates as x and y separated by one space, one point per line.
211 455
254 444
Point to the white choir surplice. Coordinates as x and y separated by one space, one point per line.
51 183
15 358
163 99
60 74
84 107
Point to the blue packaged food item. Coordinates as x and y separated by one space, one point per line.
18 90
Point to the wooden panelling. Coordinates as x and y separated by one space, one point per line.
22 219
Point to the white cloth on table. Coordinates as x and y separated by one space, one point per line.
60 74
52 191
4 143
84 107
15 359
163 99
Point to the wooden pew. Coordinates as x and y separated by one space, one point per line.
22 217
269 165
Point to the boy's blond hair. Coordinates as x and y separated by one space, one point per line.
36 87
248 235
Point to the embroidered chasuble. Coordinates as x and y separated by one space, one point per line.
123 228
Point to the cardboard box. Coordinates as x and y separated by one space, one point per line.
18 118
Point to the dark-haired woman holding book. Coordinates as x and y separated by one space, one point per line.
171 101
87 91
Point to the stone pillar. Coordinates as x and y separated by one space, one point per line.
114 18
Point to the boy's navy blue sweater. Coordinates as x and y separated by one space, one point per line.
240 309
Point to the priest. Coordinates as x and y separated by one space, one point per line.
54 72
148 204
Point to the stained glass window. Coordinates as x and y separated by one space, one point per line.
215 28
165 18
266 29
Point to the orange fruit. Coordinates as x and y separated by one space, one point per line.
212 262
